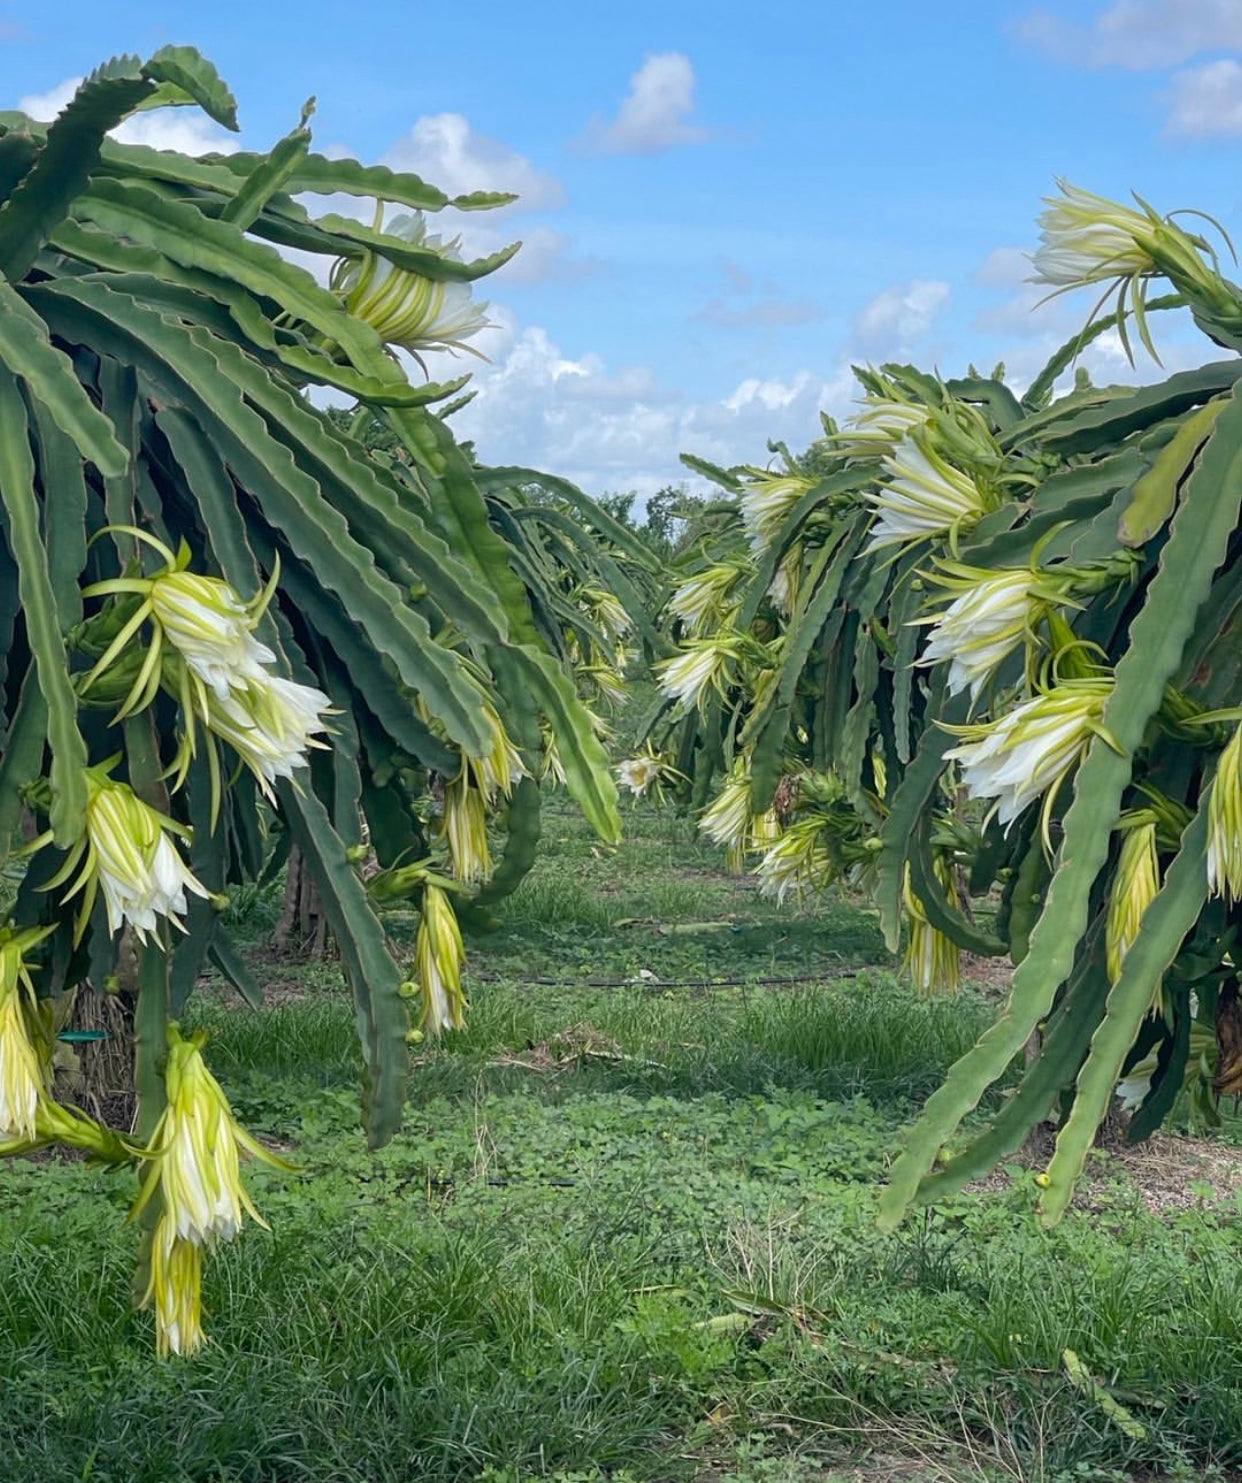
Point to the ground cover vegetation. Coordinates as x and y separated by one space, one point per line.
628 1232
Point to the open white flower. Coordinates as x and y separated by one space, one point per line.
1029 751
703 666
766 502
922 496
270 723
210 627
403 306
880 426
127 852
638 773
706 600
982 626
1088 239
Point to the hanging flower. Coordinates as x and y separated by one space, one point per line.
439 955
195 1153
210 627
201 619
24 1064
1224 850
765 503
465 828
194 1167
728 818
798 861
1030 751
990 618
404 307
604 608
175 1287
932 959
706 601
127 852
269 722
1135 885
923 496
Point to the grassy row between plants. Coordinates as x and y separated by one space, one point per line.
627 1233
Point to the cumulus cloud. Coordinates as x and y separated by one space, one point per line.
1206 102
656 113
621 429
183 129
1138 33
446 151
896 320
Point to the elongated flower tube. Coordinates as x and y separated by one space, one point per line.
23 1060
1134 887
707 601
932 960
127 851
704 666
270 722
1224 851
195 1153
175 1288
990 618
404 307
923 497
439 955
1029 751
764 504
465 829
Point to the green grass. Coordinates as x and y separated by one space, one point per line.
627 1233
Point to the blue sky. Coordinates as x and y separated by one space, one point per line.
723 204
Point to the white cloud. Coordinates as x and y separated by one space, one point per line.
655 114
1138 33
447 152
184 129
1206 101
621 430
896 320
